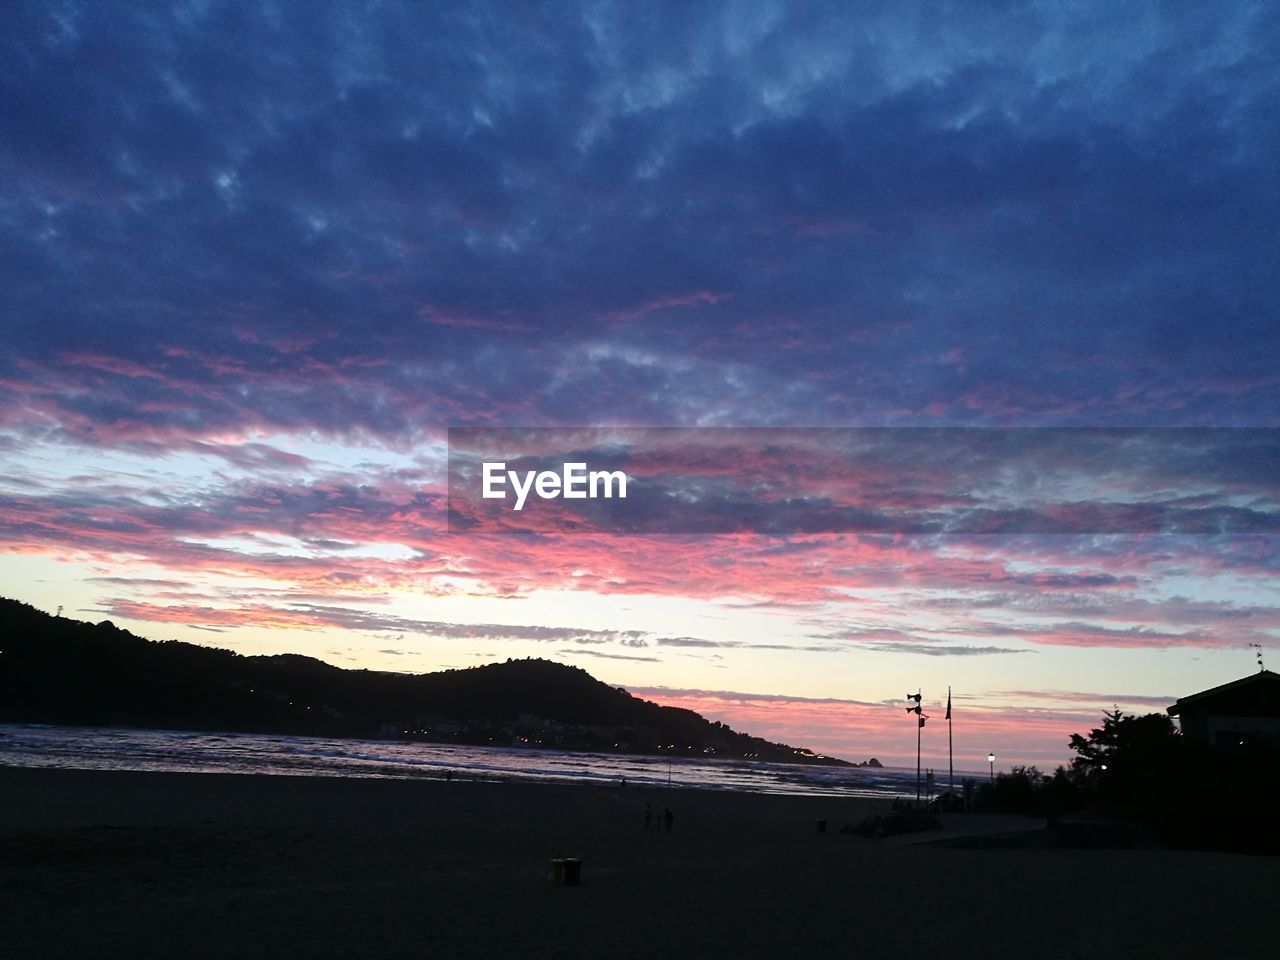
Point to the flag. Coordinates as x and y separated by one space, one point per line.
948 703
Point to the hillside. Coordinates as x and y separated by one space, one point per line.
57 670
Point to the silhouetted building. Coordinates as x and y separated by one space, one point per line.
1234 713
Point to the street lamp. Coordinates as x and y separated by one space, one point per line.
991 759
921 717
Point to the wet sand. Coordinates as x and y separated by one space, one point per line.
200 865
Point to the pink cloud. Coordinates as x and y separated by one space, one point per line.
693 298
856 730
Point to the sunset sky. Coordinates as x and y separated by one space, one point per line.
256 259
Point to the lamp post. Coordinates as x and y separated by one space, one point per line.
991 759
921 717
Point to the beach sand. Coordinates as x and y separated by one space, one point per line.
170 865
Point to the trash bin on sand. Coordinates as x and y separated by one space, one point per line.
565 871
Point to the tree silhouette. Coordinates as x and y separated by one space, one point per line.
1129 759
1122 740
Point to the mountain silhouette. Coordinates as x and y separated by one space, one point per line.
63 671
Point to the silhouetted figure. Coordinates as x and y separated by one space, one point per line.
448 775
648 816
668 818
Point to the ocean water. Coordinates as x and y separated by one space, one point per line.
115 748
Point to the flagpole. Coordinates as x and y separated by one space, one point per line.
951 756
919 727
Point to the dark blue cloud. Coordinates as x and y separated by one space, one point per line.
309 216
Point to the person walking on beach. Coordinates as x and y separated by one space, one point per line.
648 817
668 818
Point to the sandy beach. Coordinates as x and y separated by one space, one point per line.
200 865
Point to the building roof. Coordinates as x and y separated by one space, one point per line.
1264 680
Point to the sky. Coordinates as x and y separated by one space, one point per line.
257 259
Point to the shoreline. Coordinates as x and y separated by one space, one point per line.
832 763
103 748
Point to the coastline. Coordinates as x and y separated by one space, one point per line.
204 864
147 749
